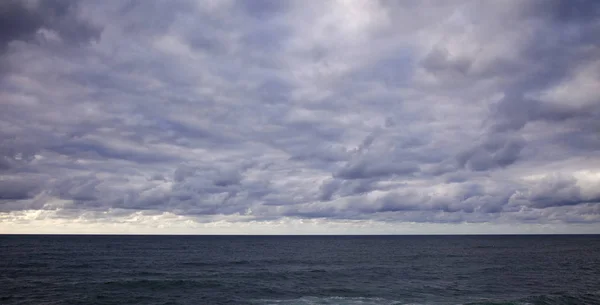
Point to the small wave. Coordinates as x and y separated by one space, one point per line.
558 299
217 264
77 266
32 265
197 264
565 299
500 303
242 262
331 301
163 284
534 300
145 273
318 271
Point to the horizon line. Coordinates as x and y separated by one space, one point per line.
291 235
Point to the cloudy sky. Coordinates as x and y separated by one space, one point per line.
286 117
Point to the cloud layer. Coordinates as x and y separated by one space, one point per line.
278 113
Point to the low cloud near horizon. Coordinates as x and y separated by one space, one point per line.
280 117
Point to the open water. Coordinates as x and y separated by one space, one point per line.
36 269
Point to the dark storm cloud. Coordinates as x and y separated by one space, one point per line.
21 20
17 189
397 112
562 11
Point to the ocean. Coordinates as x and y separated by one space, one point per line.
84 269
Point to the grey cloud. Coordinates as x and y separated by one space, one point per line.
328 188
182 172
271 109
343 187
557 190
101 151
17 22
581 11
513 112
497 150
264 8
20 20
382 155
78 188
457 177
365 168
139 17
543 62
17 189
469 198
15 155
439 61
321 152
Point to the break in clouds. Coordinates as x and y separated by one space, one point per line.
274 112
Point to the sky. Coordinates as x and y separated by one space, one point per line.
300 117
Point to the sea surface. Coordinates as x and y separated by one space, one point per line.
37 269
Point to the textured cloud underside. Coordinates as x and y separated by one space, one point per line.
367 115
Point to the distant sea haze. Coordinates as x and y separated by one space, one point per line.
80 269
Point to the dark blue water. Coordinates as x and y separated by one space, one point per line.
300 270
